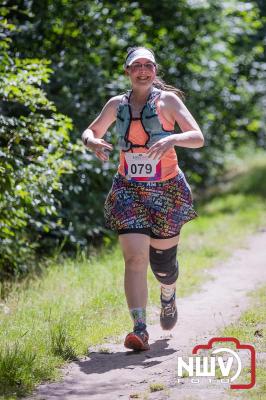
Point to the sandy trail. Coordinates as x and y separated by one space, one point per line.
119 374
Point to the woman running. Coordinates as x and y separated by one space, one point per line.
150 199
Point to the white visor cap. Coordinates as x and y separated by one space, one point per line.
139 53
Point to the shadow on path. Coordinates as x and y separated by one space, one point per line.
109 381
100 363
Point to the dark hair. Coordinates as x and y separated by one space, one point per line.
158 82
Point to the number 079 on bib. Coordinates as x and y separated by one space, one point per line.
139 167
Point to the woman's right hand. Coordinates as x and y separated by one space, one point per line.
99 146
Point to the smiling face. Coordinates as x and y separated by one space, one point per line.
141 72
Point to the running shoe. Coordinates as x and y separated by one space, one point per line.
137 340
168 317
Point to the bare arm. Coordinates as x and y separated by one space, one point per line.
92 136
174 110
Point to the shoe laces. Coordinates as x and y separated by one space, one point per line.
143 334
168 310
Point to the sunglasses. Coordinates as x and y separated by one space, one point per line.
138 66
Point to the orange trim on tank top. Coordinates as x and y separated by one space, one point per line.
137 135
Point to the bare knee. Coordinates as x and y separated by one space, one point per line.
136 262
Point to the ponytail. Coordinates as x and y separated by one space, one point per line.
160 84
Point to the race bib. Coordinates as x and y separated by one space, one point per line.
139 167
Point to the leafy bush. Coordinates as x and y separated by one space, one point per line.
212 50
34 156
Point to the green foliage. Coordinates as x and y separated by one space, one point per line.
61 342
15 365
34 156
212 50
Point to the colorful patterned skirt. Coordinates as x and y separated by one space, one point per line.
158 209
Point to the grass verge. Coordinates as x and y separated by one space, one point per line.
251 329
79 303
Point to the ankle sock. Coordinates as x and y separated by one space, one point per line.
139 318
167 293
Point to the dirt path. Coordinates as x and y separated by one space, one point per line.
119 374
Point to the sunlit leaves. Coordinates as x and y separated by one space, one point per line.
211 49
35 144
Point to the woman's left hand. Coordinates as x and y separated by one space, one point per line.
158 150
